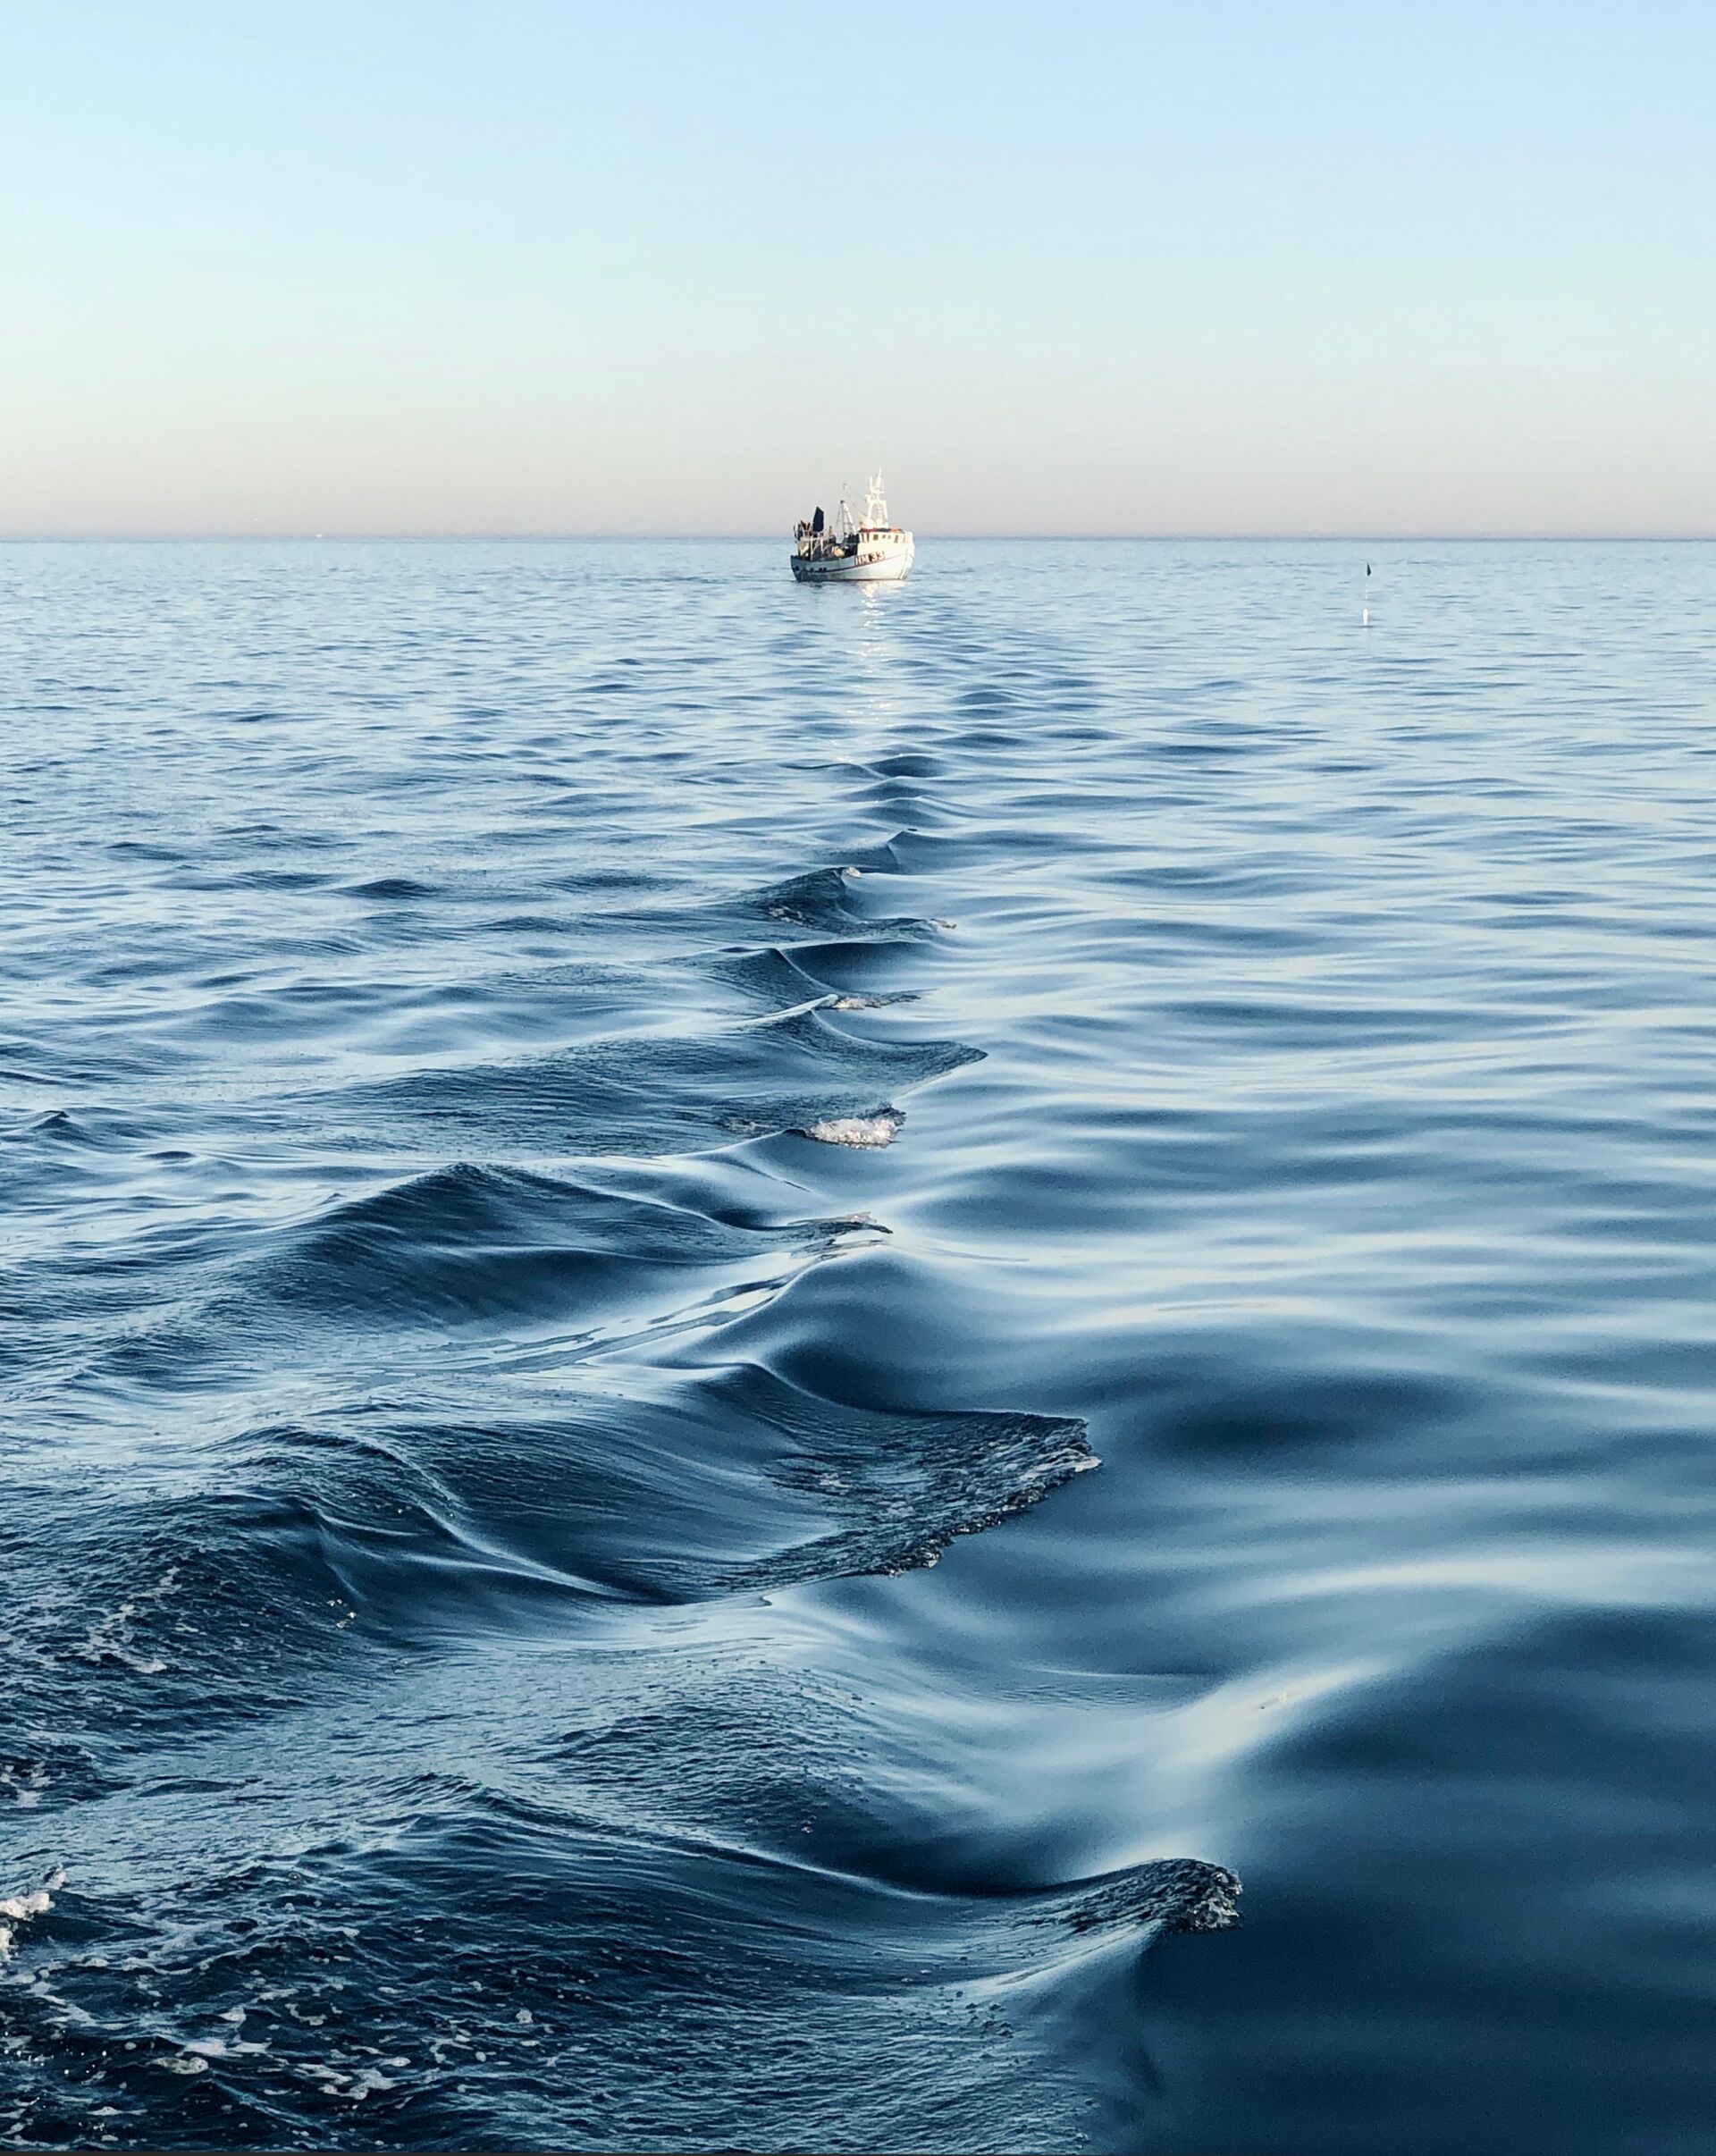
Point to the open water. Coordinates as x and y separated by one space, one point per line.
597 1146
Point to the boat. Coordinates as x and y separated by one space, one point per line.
869 549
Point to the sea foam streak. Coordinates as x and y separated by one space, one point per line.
864 1132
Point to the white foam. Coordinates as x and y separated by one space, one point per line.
21 1908
111 1639
857 1130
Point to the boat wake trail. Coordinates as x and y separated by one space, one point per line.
467 1677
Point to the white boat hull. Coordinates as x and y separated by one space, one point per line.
884 569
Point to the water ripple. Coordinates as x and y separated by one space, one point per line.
592 1147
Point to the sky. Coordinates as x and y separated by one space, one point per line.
539 266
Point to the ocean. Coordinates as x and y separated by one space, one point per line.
756 1339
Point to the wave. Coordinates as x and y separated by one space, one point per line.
383 1981
404 1526
469 1243
651 1095
824 900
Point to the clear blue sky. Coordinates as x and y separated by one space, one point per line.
534 265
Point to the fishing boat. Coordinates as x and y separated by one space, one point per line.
869 549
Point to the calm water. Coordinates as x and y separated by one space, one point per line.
575 1116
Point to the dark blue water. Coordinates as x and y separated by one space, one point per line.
595 1147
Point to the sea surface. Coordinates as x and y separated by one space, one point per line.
744 1329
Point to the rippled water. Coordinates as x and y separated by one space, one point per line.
575 1116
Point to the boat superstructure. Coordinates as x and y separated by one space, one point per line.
869 549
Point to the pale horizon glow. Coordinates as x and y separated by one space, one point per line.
537 269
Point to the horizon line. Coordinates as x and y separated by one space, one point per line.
221 537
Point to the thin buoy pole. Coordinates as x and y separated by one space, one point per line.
1363 618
